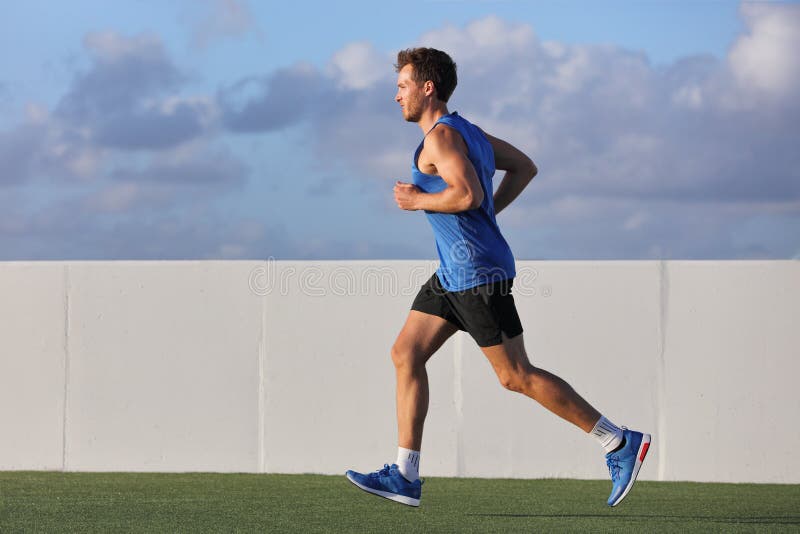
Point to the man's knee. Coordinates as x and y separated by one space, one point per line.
517 379
512 382
406 356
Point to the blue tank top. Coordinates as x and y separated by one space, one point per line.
472 251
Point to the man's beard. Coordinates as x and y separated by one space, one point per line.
412 111
413 116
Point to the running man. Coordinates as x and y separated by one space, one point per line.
471 290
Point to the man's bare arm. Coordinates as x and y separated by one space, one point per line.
519 168
447 152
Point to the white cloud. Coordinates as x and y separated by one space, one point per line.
278 100
129 97
122 165
113 47
199 163
767 58
571 72
359 66
125 101
689 96
488 36
45 148
215 20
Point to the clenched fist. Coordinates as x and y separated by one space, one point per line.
406 195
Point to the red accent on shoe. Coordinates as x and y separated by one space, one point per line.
644 451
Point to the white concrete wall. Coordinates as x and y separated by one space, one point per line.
284 367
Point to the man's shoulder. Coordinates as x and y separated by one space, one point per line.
456 119
462 125
444 135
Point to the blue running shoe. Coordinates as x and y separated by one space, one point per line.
388 483
624 464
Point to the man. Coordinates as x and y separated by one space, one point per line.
471 290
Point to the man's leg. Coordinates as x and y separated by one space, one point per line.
419 339
515 372
626 451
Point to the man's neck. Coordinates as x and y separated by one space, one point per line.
431 115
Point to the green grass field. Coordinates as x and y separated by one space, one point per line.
129 502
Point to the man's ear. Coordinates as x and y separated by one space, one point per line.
429 88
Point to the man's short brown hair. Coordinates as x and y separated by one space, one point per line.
430 64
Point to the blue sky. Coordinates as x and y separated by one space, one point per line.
235 129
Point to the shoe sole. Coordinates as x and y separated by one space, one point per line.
644 446
402 499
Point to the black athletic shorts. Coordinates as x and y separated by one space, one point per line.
486 312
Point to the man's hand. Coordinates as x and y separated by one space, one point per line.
406 196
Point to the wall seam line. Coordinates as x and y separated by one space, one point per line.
262 349
458 401
65 399
661 368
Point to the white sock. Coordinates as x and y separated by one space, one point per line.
408 463
607 434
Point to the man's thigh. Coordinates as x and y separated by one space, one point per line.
423 334
508 356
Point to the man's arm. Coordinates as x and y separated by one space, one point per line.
447 152
519 168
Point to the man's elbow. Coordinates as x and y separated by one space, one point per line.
530 169
472 200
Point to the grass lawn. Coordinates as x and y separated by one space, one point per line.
201 502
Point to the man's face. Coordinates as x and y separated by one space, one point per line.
409 94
